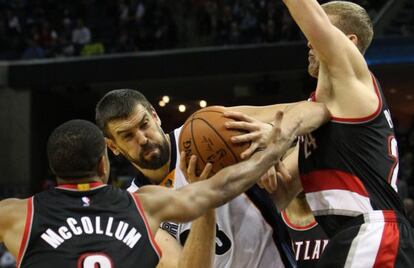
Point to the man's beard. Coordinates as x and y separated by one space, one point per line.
157 160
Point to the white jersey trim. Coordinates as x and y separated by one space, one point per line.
133 187
338 202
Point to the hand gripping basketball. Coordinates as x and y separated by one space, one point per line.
204 134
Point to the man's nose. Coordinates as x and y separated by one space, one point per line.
141 138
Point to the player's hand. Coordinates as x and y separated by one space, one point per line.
282 172
280 141
190 170
268 181
258 134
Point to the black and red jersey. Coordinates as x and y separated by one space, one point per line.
349 167
100 227
308 242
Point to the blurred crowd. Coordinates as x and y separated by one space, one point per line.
402 23
48 28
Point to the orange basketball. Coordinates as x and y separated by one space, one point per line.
204 135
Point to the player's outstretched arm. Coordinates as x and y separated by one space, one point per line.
332 46
311 115
189 202
262 113
344 77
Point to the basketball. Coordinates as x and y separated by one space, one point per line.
204 135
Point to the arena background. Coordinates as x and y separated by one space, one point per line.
60 57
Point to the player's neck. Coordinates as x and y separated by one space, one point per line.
299 212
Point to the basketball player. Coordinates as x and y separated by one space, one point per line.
348 167
85 223
249 232
308 238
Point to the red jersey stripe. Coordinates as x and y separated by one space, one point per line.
27 229
297 227
150 234
387 253
331 179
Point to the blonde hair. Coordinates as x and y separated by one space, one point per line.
351 19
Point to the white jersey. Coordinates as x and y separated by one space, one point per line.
244 238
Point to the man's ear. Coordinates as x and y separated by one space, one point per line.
103 168
112 146
353 38
155 116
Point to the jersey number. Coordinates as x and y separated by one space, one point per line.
95 260
393 153
223 243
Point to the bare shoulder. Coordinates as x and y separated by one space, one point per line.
154 198
13 207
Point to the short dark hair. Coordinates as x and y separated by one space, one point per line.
118 104
75 148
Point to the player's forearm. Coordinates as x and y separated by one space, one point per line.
236 179
199 248
261 113
311 115
224 185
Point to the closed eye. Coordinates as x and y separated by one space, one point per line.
127 136
144 124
